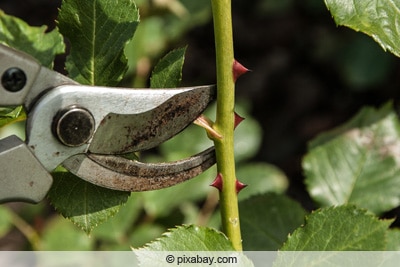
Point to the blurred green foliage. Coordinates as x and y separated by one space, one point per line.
268 215
162 23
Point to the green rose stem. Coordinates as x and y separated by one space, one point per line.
224 124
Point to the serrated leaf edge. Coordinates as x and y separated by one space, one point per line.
87 231
363 210
169 231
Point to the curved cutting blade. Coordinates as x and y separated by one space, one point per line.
119 133
125 120
129 175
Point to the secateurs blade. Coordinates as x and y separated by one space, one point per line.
87 129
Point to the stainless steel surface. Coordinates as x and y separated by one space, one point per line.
123 133
22 177
129 175
11 58
38 78
130 111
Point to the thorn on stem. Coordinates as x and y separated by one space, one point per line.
239 186
238 120
217 183
238 70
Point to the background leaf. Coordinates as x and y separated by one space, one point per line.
260 177
376 18
186 238
365 117
98 31
159 203
360 165
43 46
248 134
168 72
190 238
116 228
61 235
145 233
266 221
393 240
9 115
343 228
160 29
85 204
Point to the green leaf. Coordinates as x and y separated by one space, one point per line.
158 30
98 31
260 178
365 117
159 203
85 204
360 165
183 145
61 235
190 238
187 238
145 233
9 115
168 72
248 134
393 240
43 46
149 40
377 19
118 226
343 228
266 221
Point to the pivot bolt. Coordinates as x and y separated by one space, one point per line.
73 126
13 79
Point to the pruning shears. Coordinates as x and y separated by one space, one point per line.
88 129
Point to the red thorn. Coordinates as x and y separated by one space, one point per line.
238 70
217 183
239 186
238 120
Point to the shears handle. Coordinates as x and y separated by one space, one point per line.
22 176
